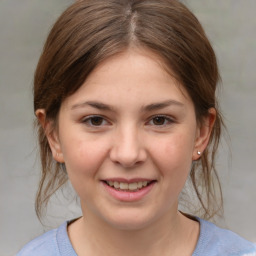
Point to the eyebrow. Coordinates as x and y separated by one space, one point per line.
150 107
94 104
161 105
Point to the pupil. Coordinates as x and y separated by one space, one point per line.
96 120
159 120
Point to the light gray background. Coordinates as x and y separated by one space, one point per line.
24 24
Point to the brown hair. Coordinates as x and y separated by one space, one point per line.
90 31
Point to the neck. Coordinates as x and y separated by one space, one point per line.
173 234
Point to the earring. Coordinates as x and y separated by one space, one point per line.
199 153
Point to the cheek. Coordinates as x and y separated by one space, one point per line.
83 162
174 151
173 160
83 158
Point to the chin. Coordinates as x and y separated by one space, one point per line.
130 221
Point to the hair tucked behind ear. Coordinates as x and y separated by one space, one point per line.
91 31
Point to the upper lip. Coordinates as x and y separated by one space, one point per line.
125 180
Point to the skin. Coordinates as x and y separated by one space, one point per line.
134 135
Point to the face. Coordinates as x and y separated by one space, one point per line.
128 137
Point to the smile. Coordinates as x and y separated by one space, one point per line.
123 186
128 190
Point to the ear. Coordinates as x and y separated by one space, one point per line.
51 134
203 133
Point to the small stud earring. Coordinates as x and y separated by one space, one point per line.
199 153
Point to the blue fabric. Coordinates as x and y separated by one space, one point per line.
213 241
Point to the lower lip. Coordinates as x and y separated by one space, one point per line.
127 196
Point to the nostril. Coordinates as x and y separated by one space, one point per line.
128 149
128 158
127 163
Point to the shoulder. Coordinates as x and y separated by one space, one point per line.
45 244
215 241
53 243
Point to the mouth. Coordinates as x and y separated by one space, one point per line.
128 186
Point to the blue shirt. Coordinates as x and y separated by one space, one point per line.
212 241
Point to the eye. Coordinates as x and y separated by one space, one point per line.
160 120
95 121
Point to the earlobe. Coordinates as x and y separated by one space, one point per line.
51 134
204 134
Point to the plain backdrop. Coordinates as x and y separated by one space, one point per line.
24 25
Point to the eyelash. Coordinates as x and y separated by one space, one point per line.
167 120
89 119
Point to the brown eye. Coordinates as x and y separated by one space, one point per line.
95 121
159 120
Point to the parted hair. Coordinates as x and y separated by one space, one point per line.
91 31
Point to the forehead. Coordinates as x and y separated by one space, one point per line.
132 77
135 61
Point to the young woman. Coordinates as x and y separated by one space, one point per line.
124 95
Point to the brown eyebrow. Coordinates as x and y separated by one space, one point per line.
94 104
150 107
161 105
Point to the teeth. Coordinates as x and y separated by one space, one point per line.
124 185
128 186
116 184
133 186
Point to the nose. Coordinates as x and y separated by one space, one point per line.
128 148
